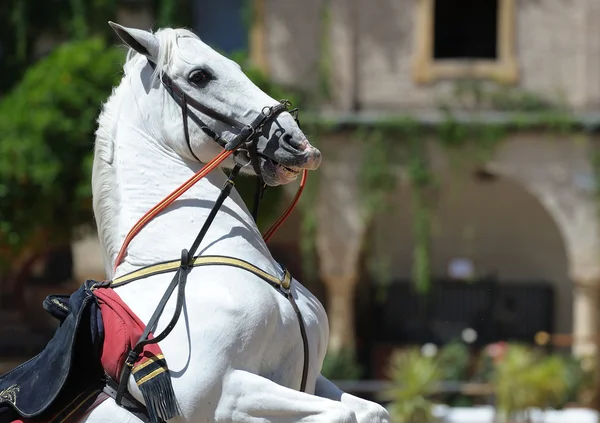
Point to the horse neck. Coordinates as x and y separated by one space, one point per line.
142 174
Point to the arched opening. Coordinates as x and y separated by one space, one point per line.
496 233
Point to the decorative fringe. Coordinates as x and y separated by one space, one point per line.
159 396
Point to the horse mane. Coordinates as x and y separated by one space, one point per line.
105 197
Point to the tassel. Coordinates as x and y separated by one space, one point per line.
154 382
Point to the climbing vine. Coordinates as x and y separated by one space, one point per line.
396 143
324 63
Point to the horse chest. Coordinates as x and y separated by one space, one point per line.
283 349
244 319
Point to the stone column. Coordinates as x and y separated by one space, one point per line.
340 233
341 292
585 322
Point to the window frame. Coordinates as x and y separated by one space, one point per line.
427 69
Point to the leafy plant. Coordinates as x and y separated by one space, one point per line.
341 365
579 380
414 377
271 205
454 361
524 379
47 124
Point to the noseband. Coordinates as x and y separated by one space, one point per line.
247 137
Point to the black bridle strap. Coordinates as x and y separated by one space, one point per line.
259 192
179 280
184 112
247 131
175 90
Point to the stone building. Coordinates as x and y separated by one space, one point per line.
535 219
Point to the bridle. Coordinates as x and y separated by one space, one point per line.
248 133
244 150
244 142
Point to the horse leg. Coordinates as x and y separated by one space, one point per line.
249 398
366 411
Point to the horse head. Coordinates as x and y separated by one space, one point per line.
217 102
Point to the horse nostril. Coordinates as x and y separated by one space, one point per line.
294 143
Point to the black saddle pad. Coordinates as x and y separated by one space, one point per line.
68 365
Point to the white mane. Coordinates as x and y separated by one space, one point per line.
105 198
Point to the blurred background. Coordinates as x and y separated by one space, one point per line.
452 231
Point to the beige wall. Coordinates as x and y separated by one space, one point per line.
293 37
498 225
558 50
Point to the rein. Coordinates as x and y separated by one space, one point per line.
209 167
242 146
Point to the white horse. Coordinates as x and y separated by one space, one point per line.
236 355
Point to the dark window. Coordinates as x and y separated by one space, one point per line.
221 24
465 29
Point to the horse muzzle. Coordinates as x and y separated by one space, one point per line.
303 155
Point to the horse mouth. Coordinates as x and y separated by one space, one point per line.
275 173
292 171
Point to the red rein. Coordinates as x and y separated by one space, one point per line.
209 167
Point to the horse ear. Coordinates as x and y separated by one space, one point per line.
141 41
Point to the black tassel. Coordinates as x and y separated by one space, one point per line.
159 397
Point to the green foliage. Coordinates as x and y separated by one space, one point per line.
414 378
24 21
579 380
475 94
271 205
524 378
172 13
325 64
454 360
421 179
47 128
377 174
341 365
308 229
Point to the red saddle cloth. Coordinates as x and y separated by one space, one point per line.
122 330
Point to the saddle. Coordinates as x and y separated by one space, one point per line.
68 366
76 371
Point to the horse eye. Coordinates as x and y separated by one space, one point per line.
199 76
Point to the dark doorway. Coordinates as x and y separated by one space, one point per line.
465 29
